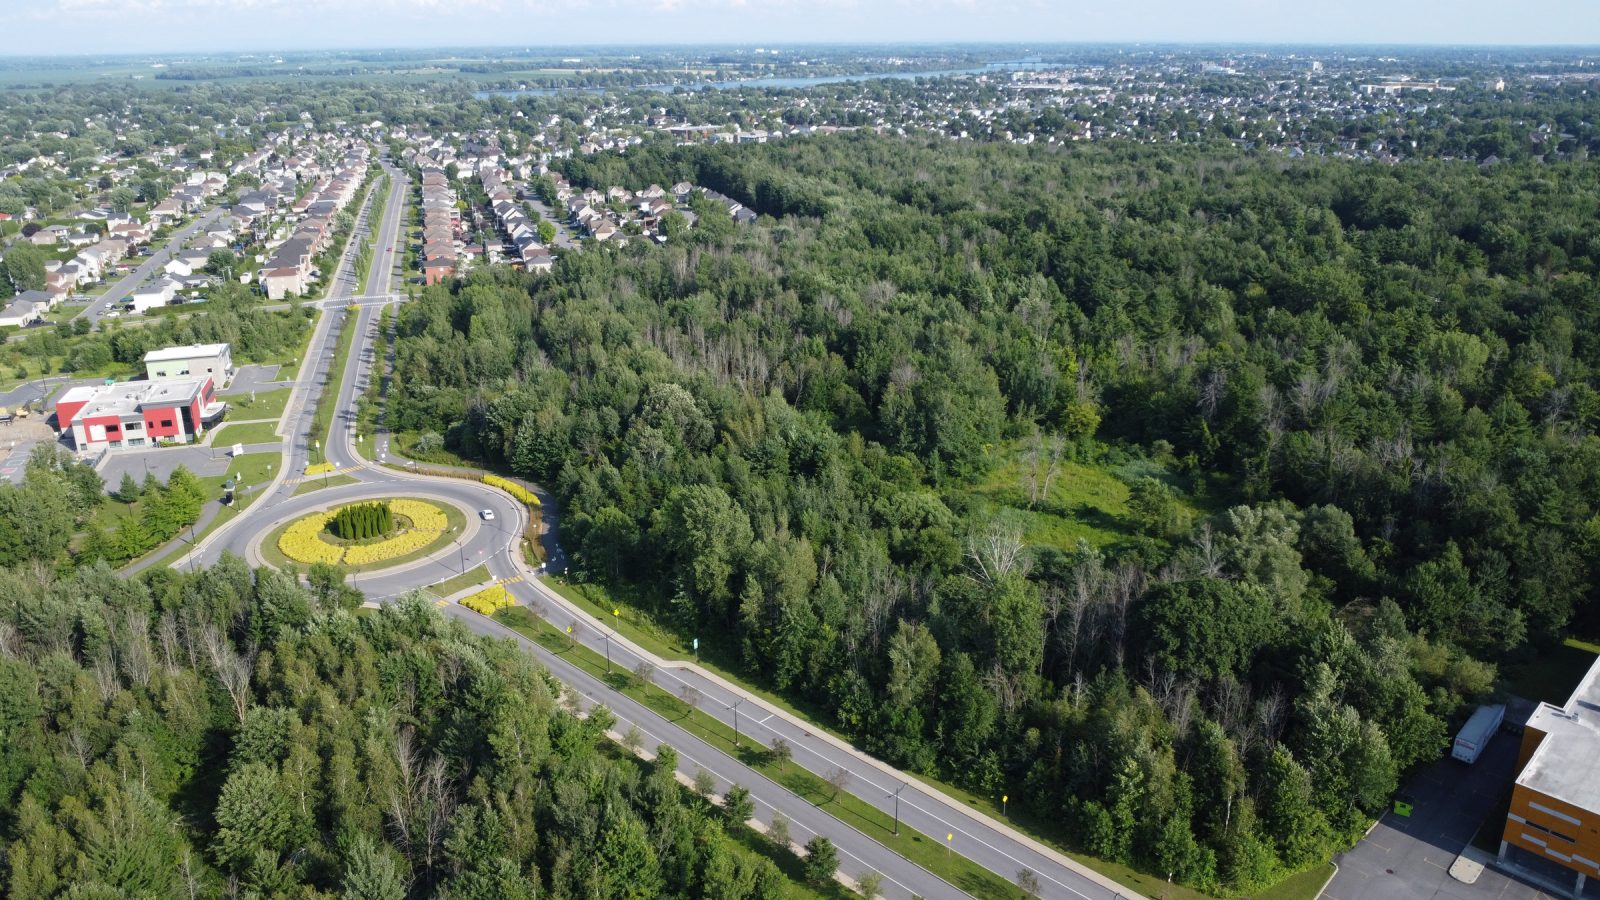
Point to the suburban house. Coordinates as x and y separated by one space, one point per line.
1555 802
213 361
138 413
151 295
27 308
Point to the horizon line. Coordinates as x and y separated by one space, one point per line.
951 43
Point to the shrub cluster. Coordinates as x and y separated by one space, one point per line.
488 601
363 521
525 496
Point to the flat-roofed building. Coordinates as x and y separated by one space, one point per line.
138 413
1555 804
214 361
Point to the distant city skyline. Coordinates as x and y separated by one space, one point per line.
70 27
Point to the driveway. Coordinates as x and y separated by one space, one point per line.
564 236
253 378
1411 857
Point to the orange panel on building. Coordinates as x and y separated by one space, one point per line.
1555 805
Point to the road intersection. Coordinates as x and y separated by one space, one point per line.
494 544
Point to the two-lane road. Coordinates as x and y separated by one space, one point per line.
493 543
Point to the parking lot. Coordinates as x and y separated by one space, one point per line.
1410 857
201 460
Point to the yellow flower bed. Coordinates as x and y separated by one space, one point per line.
319 468
423 516
488 601
399 545
528 498
302 541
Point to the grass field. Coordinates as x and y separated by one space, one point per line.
322 421
247 433
318 482
472 578
921 849
266 405
1086 501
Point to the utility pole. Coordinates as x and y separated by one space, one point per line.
897 806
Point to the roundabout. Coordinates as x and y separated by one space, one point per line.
364 535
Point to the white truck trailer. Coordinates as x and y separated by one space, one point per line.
1475 735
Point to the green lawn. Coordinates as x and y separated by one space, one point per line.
249 433
322 422
318 482
923 850
251 469
474 577
457 519
1305 886
266 405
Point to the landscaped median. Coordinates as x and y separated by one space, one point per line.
365 534
320 468
488 601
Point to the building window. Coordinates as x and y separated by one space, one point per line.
133 426
166 423
1550 831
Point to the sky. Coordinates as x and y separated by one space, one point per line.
47 27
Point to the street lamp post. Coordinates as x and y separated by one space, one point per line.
607 636
897 806
735 708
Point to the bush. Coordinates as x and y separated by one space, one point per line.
363 521
525 496
488 601
319 468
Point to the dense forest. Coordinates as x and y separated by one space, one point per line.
230 733
1361 398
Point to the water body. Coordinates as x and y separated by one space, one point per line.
778 82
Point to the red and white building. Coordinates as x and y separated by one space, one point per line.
138 413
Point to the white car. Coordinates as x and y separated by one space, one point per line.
488 515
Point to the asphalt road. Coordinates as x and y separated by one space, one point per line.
152 264
493 543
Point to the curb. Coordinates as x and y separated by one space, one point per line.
882 768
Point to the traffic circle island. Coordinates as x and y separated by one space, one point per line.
364 535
